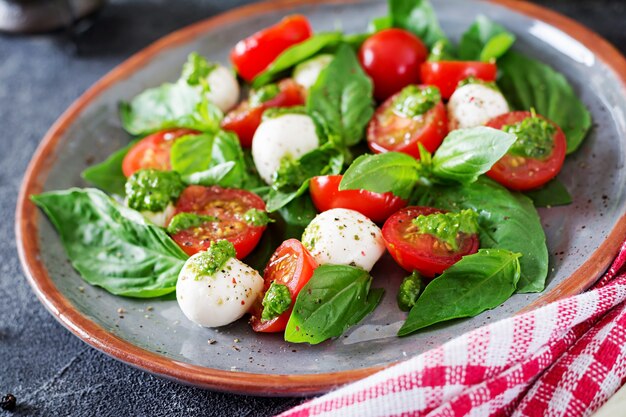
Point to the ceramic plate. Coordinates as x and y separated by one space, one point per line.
155 336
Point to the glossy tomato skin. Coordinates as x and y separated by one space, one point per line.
378 207
391 131
245 119
521 173
291 265
253 54
421 252
153 151
447 75
392 58
229 206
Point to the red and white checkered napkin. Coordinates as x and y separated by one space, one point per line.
564 359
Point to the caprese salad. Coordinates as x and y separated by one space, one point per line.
278 206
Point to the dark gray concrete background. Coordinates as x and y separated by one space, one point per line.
51 372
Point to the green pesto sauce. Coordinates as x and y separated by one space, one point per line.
207 263
277 300
256 217
535 138
441 51
447 226
197 69
152 190
263 94
409 291
183 221
289 175
274 112
414 101
473 80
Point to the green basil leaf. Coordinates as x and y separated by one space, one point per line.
112 246
335 298
340 102
507 220
296 54
278 199
465 154
476 283
416 16
108 175
379 23
528 83
552 194
386 172
485 41
213 176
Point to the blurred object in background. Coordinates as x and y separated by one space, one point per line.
31 16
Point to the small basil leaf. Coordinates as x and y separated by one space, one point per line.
416 16
485 41
212 176
108 175
552 194
476 283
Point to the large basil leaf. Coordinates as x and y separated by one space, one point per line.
476 283
552 194
485 41
108 175
112 246
528 83
340 102
507 220
465 154
335 298
416 16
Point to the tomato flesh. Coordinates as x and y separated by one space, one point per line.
153 151
447 75
378 207
392 58
392 131
245 119
254 54
524 173
291 265
421 252
229 206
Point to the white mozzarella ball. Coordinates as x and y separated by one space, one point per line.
223 88
306 73
218 299
474 105
160 218
288 135
344 237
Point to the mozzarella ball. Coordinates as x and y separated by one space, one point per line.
474 105
288 135
160 218
306 73
344 237
223 88
218 299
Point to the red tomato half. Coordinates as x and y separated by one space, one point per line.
153 151
522 173
422 252
378 207
391 131
244 119
392 58
291 265
252 55
229 206
448 74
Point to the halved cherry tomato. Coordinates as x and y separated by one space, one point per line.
253 54
244 119
291 265
523 173
378 207
421 252
448 74
153 151
392 58
229 206
392 131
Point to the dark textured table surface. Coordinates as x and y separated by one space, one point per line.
51 372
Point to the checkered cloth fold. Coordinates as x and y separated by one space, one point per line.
564 359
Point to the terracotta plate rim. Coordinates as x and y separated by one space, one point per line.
232 381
